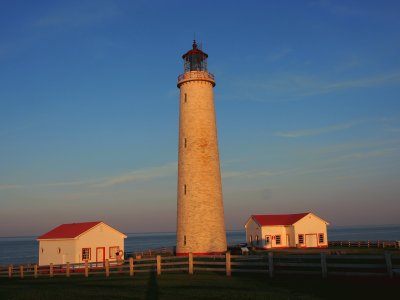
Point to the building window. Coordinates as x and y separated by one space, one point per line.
251 239
321 239
42 250
113 252
301 238
184 189
184 240
185 143
257 241
58 250
278 239
185 98
85 253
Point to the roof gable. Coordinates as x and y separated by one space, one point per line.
68 231
270 220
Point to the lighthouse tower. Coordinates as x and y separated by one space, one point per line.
200 224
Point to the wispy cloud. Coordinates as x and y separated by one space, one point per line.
73 16
315 131
382 79
251 174
278 55
134 176
393 129
349 10
140 175
297 86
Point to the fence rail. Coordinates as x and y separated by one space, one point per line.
365 244
274 264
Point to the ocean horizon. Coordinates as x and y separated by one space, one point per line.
24 249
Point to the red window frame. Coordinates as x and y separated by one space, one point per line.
90 253
301 238
321 235
112 254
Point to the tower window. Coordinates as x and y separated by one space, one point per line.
184 240
184 189
185 143
185 98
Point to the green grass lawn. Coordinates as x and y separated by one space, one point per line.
197 286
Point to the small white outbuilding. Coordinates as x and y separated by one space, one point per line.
303 230
77 242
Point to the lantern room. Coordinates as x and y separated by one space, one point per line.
195 59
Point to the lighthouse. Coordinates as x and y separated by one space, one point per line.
200 217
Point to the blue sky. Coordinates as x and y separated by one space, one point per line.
307 102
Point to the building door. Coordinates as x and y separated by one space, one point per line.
100 256
311 240
267 241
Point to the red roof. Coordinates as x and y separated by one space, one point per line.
68 231
265 220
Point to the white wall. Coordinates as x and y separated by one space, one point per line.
253 230
312 226
101 235
273 231
61 251
57 251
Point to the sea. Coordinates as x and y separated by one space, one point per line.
24 249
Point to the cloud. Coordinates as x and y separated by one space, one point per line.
379 80
294 86
73 16
316 131
140 175
279 54
393 129
134 176
251 174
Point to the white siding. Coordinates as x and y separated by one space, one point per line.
253 230
57 251
61 251
311 226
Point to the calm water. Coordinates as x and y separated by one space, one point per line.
22 250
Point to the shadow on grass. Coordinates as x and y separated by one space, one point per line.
152 287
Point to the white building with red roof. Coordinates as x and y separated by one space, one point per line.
303 230
78 242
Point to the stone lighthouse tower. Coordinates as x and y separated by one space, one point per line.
200 224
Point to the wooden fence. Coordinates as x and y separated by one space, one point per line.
273 264
365 244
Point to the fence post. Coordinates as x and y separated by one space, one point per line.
191 263
228 263
21 271
323 265
131 266
158 265
51 270
67 271
271 264
86 268
107 268
10 271
388 259
35 273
